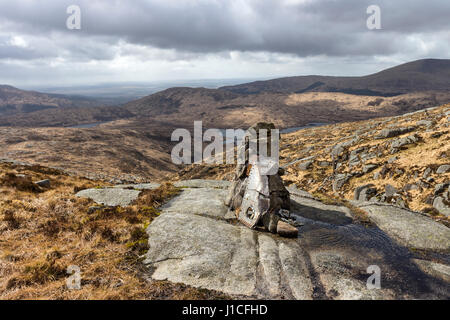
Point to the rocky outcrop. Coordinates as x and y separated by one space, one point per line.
120 195
365 192
194 241
443 169
402 142
110 196
390 133
340 180
442 205
409 228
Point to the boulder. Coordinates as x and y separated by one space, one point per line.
305 165
425 123
427 172
411 186
381 174
364 193
340 180
442 205
390 133
110 196
369 168
392 159
399 143
324 164
443 169
440 188
44 183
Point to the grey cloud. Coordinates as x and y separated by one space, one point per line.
270 32
329 27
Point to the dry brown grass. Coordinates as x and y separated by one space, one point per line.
41 234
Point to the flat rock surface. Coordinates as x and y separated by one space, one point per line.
409 228
201 201
192 242
141 186
110 196
216 184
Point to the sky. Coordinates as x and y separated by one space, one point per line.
160 40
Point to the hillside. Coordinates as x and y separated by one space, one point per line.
102 153
131 242
402 160
219 108
420 75
295 101
287 102
46 228
15 101
20 108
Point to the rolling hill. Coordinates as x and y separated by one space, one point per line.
288 102
420 75
15 101
21 108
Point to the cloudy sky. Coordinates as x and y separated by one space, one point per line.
154 40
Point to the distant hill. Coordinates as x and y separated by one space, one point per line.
15 101
420 75
21 108
288 102
293 101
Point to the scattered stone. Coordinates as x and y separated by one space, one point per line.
443 169
324 164
369 168
304 166
44 183
298 160
364 193
427 172
390 133
340 180
411 186
294 191
390 190
381 174
425 123
399 143
441 205
341 147
440 188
